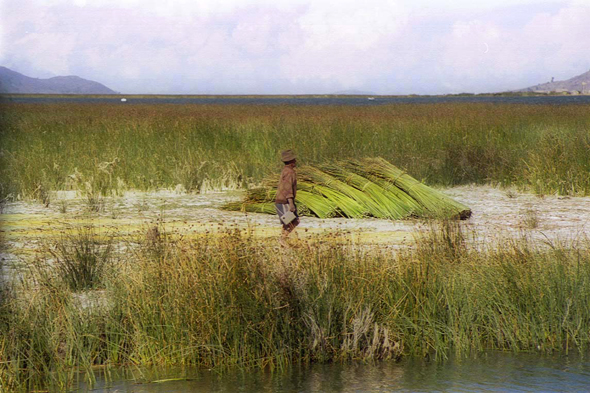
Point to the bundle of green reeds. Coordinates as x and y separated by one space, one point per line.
433 201
370 187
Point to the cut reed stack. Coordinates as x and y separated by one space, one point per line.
369 187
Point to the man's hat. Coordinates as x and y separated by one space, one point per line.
288 155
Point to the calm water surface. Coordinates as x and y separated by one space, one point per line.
491 372
299 100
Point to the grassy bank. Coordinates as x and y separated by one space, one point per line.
105 148
231 300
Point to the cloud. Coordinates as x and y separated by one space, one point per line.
302 46
548 44
338 45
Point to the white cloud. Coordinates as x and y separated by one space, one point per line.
265 46
549 44
342 41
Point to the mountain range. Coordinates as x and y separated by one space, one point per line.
17 83
577 85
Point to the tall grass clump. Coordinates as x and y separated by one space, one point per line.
560 164
48 340
112 147
79 258
231 300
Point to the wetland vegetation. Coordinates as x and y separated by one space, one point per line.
105 148
87 298
233 300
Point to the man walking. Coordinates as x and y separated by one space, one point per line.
286 193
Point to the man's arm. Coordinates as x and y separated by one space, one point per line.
291 194
291 204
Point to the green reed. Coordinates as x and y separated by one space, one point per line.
105 148
80 259
231 300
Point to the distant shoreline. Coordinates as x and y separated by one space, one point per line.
286 96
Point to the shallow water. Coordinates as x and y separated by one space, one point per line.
498 214
495 372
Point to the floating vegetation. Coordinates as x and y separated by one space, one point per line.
369 187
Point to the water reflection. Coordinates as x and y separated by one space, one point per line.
487 372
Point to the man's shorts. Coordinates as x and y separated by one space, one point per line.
283 208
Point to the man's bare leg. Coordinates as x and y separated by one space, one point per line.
287 229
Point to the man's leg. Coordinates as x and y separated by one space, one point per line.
287 229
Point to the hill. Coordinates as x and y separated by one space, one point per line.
577 85
17 83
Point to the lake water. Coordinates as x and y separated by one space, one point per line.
489 372
299 100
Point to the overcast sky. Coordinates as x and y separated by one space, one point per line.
298 46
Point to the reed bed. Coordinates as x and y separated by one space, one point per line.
234 301
344 189
101 149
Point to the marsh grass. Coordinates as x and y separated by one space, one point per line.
530 218
113 147
230 300
79 259
94 202
445 240
511 193
62 205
